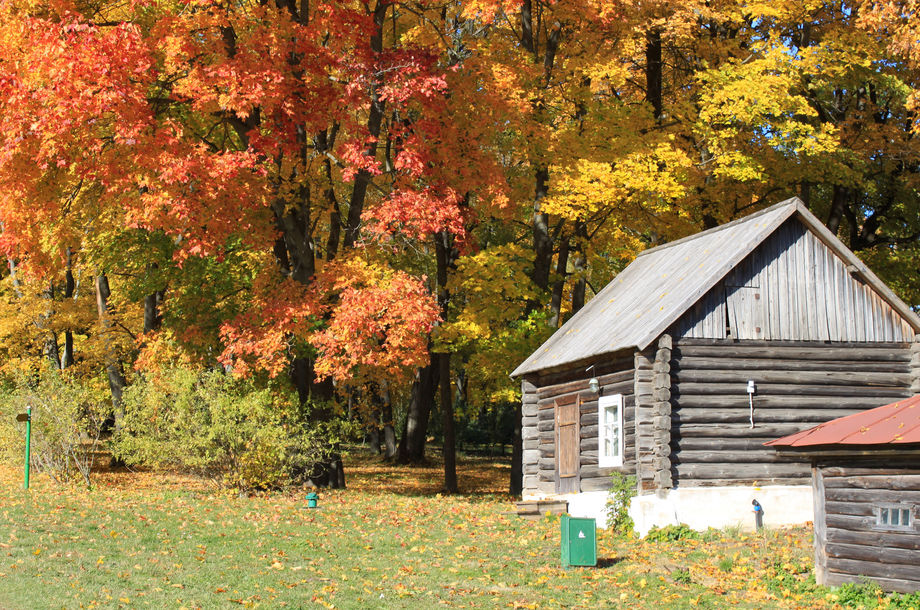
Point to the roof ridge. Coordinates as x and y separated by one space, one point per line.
792 202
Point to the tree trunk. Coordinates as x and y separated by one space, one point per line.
14 277
527 26
555 304
447 423
653 73
152 318
374 122
542 242
412 445
805 193
325 140
443 251
113 366
578 266
373 433
838 203
389 433
50 350
67 358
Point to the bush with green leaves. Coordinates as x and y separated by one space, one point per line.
622 491
241 434
68 418
672 533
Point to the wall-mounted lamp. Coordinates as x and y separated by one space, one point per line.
593 384
751 390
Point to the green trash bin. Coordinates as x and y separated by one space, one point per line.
579 541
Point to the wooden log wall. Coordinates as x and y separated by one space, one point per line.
849 546
530 437
661 418
645 448
540 393
799 385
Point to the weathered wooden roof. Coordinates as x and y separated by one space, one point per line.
663 282
897 423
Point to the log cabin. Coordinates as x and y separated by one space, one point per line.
866 484
696 354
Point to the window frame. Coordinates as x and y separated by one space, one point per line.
603 403
892 506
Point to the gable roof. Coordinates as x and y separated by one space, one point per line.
662 283
897 423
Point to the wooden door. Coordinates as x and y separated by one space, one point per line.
567 445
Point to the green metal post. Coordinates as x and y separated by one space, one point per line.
28 444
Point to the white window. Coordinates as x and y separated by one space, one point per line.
610 431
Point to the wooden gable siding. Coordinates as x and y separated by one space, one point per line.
799 384
541 395
793 288
849 546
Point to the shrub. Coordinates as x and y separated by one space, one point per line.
68 416
868 594
672 533
242 435
622 490
865 594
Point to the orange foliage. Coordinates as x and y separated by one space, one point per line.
378 325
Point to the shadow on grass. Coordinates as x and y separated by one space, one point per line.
481 479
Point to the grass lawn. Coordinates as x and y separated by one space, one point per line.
389 540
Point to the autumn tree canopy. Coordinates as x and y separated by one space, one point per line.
406 195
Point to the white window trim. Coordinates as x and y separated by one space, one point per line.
603 402
903 509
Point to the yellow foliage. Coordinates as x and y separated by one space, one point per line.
493 287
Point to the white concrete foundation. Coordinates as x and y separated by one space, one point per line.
701 507
719 507
589 504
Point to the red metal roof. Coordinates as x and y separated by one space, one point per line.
897 423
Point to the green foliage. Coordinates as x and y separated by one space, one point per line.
868 594
68 416
622 490
682 576
244 436
904 601
672 533
787 576
726 564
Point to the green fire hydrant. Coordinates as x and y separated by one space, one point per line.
312 497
